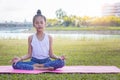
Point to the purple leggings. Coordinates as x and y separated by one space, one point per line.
58 63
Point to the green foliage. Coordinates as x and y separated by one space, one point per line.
82 28
106 21
52 22
78 21
60 13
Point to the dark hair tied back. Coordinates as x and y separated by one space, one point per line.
39 12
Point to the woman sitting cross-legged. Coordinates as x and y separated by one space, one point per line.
39 50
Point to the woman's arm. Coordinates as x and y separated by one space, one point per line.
27 56
51 50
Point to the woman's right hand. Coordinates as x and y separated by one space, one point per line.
16 59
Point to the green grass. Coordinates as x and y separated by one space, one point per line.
77 52
89 28
82 28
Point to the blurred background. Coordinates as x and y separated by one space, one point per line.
82 17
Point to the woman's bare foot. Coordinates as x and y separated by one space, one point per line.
43 68
50 68
38 65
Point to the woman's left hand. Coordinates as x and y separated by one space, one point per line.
62 57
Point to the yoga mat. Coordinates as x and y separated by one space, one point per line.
87 69
9 69
65 69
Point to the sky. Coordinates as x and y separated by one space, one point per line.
20 10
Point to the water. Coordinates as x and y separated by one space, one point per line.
18 34
86 36
14 35
13 30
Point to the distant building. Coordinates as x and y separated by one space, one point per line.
111 9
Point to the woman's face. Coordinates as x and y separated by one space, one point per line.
39 23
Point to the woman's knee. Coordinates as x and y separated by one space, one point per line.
22 66
59 63
56 64
15 65
62 62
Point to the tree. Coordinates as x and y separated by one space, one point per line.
60 13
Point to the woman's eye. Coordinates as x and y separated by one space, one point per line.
41 22
37 22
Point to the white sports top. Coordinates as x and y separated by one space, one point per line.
40 49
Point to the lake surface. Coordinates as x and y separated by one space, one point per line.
13 35
18 34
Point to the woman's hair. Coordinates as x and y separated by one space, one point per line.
39 14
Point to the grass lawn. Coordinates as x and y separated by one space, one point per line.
77 52
89 28
72 28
